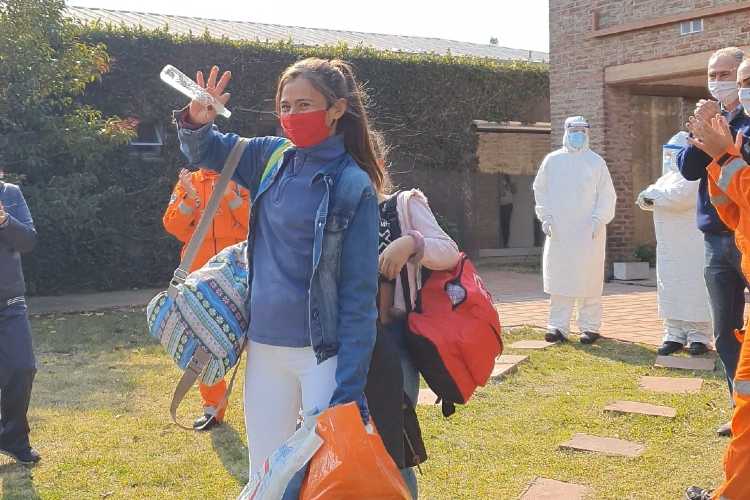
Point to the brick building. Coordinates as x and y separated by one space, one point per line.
635 68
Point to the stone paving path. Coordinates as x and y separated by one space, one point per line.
87 302
671 385
550 489
603 445
707 363
630 311
624 407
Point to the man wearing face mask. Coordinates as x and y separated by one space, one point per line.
575 200
729 188
724 280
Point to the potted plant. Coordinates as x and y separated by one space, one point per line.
638 267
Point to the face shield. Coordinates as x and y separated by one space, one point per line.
670 150
669 158
576 134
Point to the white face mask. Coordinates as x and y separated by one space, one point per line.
744 95
724 92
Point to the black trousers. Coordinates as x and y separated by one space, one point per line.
506 211
17 370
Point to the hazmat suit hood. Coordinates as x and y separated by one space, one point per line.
573 126
670 150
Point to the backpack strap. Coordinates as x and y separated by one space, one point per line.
202 356
193 246
406 289
198 362
391 208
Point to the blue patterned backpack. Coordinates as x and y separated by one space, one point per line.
202 319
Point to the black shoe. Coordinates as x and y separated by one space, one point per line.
205 423
589 337
556 336
725 430
669 347
29 456
697 493
697 348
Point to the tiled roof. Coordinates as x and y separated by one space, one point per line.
242 30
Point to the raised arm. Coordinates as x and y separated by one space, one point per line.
181 215
438 250
673 193
16 225
692 163
203 144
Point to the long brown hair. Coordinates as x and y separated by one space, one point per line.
335 80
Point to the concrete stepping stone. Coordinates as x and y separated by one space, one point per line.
531 344
426 397
505 365
683 363
606 446
641 409
550 489
510 359
672 385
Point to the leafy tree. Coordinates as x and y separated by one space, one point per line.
44 69
58 146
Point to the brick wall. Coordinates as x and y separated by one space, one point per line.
577 77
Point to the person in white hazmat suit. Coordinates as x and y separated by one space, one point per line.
683 297
575 200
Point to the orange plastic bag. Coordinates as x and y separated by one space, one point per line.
352 463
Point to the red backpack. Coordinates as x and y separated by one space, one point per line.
454 333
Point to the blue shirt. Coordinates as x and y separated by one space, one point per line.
692 163
342 312
283 247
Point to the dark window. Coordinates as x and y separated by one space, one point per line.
149 141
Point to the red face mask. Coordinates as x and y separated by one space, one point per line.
306 129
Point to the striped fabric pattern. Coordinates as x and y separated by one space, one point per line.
211 306
210 310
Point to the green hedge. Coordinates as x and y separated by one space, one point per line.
102 230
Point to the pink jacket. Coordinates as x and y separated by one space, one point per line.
439 253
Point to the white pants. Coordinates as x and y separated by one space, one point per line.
687 332
561 311
280 381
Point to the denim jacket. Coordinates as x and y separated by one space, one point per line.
342 306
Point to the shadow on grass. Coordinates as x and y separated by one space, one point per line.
232 452
90 334
611 349
640 355
83 381
83 361
17 483
617 350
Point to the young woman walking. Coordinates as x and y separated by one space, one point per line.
312 245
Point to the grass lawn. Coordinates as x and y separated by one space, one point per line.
100 419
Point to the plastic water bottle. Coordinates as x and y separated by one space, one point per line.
183 84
